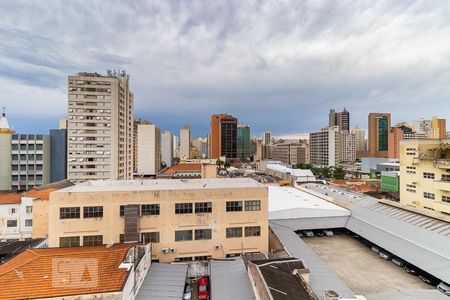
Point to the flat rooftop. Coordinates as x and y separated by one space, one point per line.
160 184
292 203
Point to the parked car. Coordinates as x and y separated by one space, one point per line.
187 291
444 288
386 255
328 232
375 249
320 233
203 288
411 270
428 279
308 233
398 261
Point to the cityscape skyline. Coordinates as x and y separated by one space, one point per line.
194 61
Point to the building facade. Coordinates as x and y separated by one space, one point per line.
136 122
58 154
149 149
5 153
438 128
16 217
425 174
167 148
223 136
30 161
423 127
185 142
266 138
100 127
378 144
324 147
243 141
184 219
360 138
347 144
340 119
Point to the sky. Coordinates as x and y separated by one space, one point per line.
275 65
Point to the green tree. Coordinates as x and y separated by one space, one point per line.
226 165
326 172
339 173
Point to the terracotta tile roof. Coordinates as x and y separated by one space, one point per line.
10 198
41 194
57 272
183 167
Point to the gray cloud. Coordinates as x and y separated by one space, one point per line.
277 65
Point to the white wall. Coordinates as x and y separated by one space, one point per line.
20 215
167 148
148 153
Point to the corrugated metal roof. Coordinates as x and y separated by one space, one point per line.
322 278
163 282
313 223
418 239
229 280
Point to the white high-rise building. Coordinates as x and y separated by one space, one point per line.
347 144
324 147
100 127
176 146
149 149
423 127
360 138
185 142
167 148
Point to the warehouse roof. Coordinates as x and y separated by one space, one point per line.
161 184
294 172
230 273
292 203
163 282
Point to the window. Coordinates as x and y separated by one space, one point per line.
252 231
93 212
428 175
12 211
28 222
69 213
234 232
122 210
203 234
253 205
445 177
150 209
411 170
92 240
202 258
446 199
428 195
183 208
183 235
152 237
69 241
203 207
234 205
11 223
181 259
121 238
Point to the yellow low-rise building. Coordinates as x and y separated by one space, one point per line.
185 219
425 174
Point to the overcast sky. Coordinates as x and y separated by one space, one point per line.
277 65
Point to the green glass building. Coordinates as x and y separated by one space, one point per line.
243 141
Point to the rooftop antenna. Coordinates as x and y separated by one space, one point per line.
4 111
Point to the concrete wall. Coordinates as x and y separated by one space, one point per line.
40 218
112 225
149 149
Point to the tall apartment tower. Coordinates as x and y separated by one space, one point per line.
438 128
185 142
223 141
100 127
167 148
6 134
266 138
149 149
340 119
136 122
324 147
360 138
423 127
347 144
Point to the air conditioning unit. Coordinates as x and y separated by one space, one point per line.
165 250
173 250
217 247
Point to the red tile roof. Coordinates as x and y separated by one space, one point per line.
41 194
10 198
183 167
57 272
